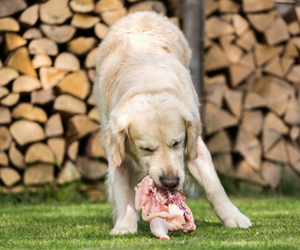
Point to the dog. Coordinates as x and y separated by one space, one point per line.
150 121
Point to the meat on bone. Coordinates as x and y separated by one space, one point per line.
163 208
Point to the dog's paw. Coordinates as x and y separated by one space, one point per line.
237 220
123 230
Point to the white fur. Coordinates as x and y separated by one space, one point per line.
150 121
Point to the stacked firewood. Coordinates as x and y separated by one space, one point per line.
251 110
49 126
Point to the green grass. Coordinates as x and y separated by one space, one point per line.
83 225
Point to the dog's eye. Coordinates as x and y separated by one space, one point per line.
175 144
149 150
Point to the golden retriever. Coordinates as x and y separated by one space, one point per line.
150 119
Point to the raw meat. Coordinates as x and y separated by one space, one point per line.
163 208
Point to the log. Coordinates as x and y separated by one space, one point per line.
223 164
30 15
253 100
59 34
68 174
247 40
25 84
214 93
3 92
214 59
20 60
9 24
294 28
233 53
90 60
274 123
50 76
107 5
252 121
32 34
216 119
69 104
10 100
9 8
110 17
29 112
67 61
294 133
7 74
286 63
263 53
94 148
82 6
9 176
73 150
277 32
5 116
94 115
219 143
91 169
55 12
80 126
269 139
240 24
238 74
101 30
81 45
91 100
43 46
3 159
84 21
41 97
245 172
39 152
292 114
215 28
5 138
289 179
25 132
228 6
274 67
233 100
54 126
76 84
226 42
290 49
293 153
271 172
16 157
277 152
294 75
38 174
41 60
57 146
211 6
257 5
13 41
156 6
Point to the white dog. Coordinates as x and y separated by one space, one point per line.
149 117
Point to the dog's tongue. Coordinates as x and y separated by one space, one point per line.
168 205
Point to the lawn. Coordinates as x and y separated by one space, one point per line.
84 225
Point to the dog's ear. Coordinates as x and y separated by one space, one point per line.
193 131
115 134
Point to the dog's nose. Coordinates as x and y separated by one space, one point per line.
169 181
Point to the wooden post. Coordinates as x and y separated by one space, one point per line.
193 28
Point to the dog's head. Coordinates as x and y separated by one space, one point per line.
159 136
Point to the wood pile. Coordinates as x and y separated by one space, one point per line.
49 126
48 121
251 109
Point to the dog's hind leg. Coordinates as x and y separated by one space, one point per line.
203 170
122 195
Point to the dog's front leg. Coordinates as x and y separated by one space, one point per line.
204 172
121 195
